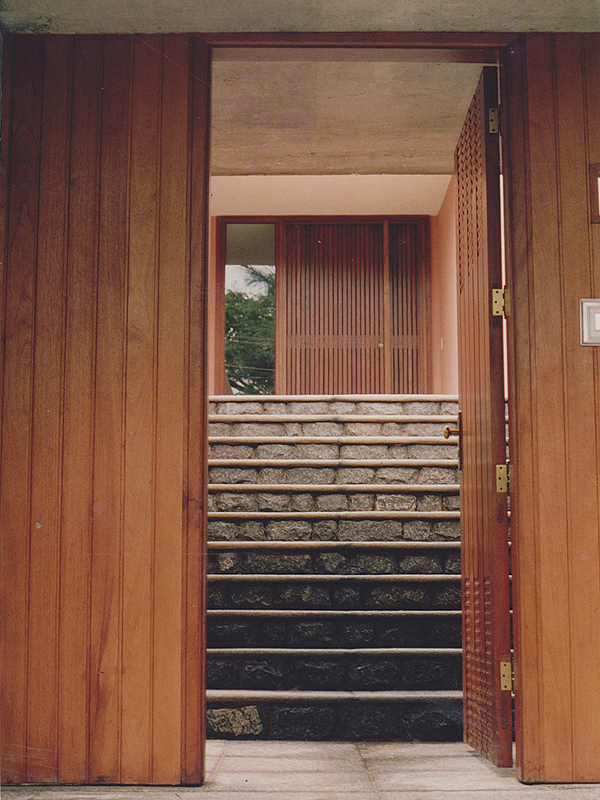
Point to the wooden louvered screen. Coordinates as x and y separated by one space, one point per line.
352 308
486 603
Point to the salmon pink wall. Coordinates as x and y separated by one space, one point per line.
444 336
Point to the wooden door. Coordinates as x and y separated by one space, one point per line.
485 562
353 307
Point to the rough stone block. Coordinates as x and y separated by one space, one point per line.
322 429
435 725
429 502
300 722
218 429
228 501
342 407
289 530
420 565
275 408
364 530
423 429
257 429
357 634
373 675
397 597
392 429
318 674
232 475
447 529
362 429
422 407
273 502
293 429
244 596
278 563
361 502
273 632
225 450
363 451
307 408
398 451
325 530
221 531
228 562
275 451
396 475
216 597
354 475
418 530
438 475
346 597
332 502
248 407
311 634
302 596
449 408
379 408
231 633
212 503
302 502
261 675
301 475
271 475
446 597
234 721
452 564
396 502
222 674
431 451
452 502
253 530
376 564
331 563
429 674
363 723
317 451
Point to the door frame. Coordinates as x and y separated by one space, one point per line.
446 47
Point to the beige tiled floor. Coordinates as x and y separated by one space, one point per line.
333 771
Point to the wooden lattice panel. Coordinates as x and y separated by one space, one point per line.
486 621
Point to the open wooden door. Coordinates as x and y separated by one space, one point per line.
485 558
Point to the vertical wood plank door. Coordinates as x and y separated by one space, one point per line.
485 563
103 428
352 308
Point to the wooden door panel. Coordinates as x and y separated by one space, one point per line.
485 566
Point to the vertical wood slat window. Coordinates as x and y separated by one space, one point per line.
101 426
356 308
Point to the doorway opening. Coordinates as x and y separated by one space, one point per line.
334 556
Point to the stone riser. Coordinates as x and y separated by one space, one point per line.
330 500
382 596
406 673
333 405
329 428
372 632
249 449
419 530
327 476
338 563
405 721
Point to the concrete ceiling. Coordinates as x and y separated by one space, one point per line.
154 16
313 118
284 116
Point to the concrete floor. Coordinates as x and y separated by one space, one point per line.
332 771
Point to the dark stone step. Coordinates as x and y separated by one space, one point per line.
429 720
334 672
342 632
336 563
348 594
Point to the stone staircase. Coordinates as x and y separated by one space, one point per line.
334 568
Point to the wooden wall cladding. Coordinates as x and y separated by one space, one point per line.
353 308
103 175
553 84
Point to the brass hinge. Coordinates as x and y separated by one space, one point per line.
503 478
500 302
506 676
494 120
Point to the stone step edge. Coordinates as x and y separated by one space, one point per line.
301 697
339 440
363 398
291 463
271 544
261 418
306 515
336 488
385 577
331 652
329 614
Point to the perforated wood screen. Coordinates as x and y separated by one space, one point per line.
485 566
353 306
